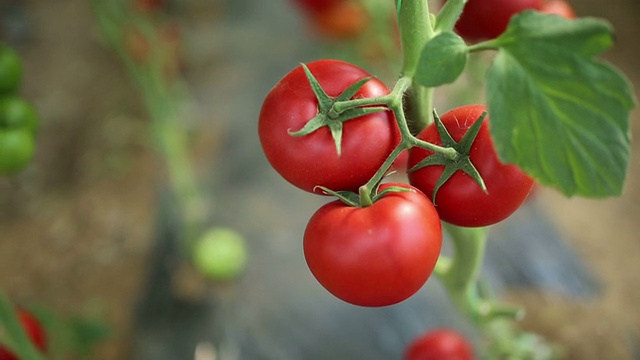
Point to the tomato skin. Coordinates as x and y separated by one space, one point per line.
439 344
377 255
487 19
461 201
315 6
33 329
558 7
343 20
311 160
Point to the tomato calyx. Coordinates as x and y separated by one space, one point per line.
365 196
461 162
327 114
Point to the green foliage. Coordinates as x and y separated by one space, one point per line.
442 60
556 111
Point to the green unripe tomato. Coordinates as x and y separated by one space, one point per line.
17 113
220 254
10 70
17 147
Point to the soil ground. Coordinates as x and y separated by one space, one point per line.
76 227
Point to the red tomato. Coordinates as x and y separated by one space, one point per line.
342 20
487 19
34 330
315 6
377 255
311 160
439 344
460 200
558 7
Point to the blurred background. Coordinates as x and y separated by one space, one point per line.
89 227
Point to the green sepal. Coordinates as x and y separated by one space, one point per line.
324 101
461 163
330 118
348 197
391 189
351 91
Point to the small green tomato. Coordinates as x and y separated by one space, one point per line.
17 148
10 70
220 254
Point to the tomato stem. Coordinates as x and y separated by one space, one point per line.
365 195
485 45
415 26
469 247
416 29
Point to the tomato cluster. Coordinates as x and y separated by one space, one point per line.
34 330
18 119
377 247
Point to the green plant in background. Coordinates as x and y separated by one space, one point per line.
150 47
18 118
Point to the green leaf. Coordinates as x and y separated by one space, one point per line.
556 111
442 60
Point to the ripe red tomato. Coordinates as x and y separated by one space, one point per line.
377 255
33 329
460 200
558 7
487 19
311 160
342 20
439 344
315 6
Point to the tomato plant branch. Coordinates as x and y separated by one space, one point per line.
449 14
394 102
484 45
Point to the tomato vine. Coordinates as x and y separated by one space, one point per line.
583 101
